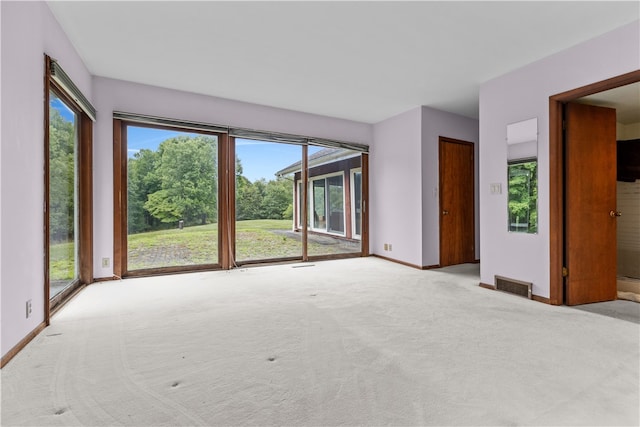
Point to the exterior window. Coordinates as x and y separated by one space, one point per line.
327 204
356 200
318 201
175 211
172 198
299 204
264 201
336 204
63 195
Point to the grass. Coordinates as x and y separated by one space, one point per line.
61 262
255 240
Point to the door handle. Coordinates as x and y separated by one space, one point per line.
445 212
614 214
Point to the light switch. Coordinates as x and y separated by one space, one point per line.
496 188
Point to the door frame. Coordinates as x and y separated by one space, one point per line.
556 175
441 141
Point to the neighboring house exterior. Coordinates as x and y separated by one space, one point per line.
335 193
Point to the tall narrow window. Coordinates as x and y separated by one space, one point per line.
172 198
335 205
356 200
318 201
68 241
63 195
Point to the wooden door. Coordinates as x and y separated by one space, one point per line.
590 204
457 234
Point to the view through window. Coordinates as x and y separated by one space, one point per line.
172 198
63 195
523 196
264 201
173 211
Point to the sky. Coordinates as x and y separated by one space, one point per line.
65 111
259 159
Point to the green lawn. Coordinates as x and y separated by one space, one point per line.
255 240
61 259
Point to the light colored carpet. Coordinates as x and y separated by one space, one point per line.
346 342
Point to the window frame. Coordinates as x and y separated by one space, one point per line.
84 195
531 228
352 174
226 194
120 237
326 206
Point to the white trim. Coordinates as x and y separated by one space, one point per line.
311 207
352 173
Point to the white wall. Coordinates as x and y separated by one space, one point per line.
436 123
404 206
395 207
116 95
524 94
28 31
628 131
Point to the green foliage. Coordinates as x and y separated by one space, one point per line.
188 174
523 197
179 182
62 139
143 180
278 197
263 199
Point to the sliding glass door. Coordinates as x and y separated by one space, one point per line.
63 195
264 202
191 196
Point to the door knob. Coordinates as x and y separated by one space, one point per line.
445 212
614 214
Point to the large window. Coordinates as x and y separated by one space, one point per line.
334 202
63 195
193 196
68 187
264 201
172 198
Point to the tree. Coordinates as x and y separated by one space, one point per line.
523 196
62 138
277 199
249 198
143 180
187 171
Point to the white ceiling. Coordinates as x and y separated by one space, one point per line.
363 61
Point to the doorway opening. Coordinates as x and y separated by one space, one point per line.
560 243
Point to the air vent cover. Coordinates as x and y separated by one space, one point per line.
512 286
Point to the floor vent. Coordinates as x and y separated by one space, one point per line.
513 286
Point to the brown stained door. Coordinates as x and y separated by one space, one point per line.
457 233
590 204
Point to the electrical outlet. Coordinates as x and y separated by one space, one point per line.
390 247
28 309
105 262
386 246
